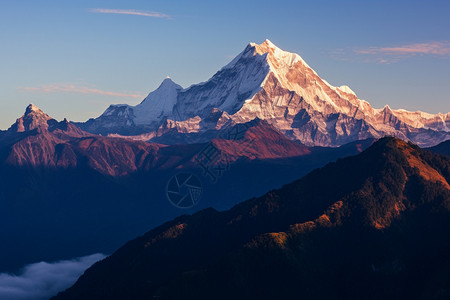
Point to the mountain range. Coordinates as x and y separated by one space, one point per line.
67 193
266 119
270 84
371 226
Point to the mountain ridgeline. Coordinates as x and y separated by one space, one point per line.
371 226
270 84
65 191
442 148
373 222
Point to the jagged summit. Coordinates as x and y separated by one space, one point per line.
265 47
266 42
278 86
269 48
163 91
32 108
33 118
168 82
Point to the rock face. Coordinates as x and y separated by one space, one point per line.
371 226
268 83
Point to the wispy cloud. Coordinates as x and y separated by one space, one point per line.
395 53
43 280
71 88
153 14
434 48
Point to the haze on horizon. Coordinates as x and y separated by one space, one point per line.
75 59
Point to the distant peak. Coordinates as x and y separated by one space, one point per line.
169 83
32 108
33 118
32 111
168 89
167 80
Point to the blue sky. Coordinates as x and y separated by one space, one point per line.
74 58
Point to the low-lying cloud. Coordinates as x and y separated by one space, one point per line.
144 13
43 280
71 88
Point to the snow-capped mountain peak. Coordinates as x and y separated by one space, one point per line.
269 48
278 86
279 59
158 104
266 43
166 86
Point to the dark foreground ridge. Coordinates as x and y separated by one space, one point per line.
371 226
442 148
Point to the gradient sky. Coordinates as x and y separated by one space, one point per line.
74 58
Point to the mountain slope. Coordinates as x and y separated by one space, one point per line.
372 226
67 193
442 148
36 139
268 83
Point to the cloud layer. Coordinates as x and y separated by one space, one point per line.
44 280
144 13
71 88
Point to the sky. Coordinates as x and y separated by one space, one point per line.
75 58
